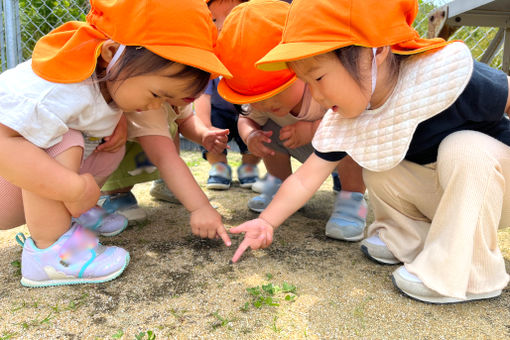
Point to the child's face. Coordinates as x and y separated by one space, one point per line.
149 91
283 103
332 85
220 9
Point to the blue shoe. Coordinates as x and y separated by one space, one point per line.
247 175
260 202
76 257
337 186
124 204
101 222
348 220
220 176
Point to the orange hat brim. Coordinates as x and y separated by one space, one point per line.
237 98
201 59
277 58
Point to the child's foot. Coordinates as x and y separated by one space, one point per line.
125 204
413 287
347 222
220 176
260 202
247 175
103 223
77 257
160 191
376 250
337 186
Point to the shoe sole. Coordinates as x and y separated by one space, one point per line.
257 210
51 283
378 260
117 232
218 186
246 185
443 300
338 236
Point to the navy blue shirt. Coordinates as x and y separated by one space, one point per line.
480 107
217 101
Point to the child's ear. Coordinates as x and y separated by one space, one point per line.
108 50
381 54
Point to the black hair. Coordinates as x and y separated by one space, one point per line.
349 57
136 61
242 109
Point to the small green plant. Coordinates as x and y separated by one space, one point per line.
275 328
269 276
7 336
141 336
77 303
268 295
221 321
118 335
17 264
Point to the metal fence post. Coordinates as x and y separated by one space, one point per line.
12 32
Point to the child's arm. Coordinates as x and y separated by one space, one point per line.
292 195
205 220
29 167
254 137
194 129
298 134
203 109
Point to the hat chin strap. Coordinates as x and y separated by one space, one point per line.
116 57
374 75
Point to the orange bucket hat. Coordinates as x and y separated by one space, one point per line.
318 26
181 31
249 32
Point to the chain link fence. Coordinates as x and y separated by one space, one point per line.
25 21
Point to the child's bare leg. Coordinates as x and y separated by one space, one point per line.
213 158
47 219
249 158
278 165
351 175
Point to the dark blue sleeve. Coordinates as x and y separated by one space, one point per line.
331 156
209 88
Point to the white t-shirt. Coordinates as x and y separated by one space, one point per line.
42 111
156 122
310 111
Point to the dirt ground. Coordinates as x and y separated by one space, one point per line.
179 286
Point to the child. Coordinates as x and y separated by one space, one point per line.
434 143
76 85
214 111
284 108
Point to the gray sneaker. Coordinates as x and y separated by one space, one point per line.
375 249
260 202
413 287
160 191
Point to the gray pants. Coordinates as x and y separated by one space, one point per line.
301 153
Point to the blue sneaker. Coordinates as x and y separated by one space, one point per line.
101 222
77 257
247 175
124 204
337 186
220 176
260 202
348 220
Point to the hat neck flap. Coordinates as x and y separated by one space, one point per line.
378 139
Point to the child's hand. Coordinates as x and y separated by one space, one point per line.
206 223
118 138
258 234
255 143
297 134
215 140
87 199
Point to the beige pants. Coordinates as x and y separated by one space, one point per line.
441 220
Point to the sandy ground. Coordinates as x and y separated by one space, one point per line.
178 286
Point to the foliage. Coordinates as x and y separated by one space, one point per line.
38 17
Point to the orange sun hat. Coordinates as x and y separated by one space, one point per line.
181 31
249 32
318 26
